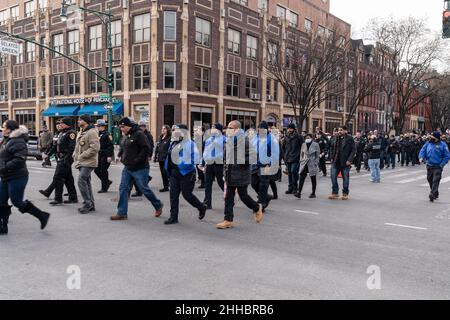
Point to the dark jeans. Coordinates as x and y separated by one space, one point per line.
358 160
165 178
323 165
303 176
13 189
392 159
434 175
273 186
260 183
213 171
185 186
292 169
63 176
406 157
243 195
201 176
345 177
102 172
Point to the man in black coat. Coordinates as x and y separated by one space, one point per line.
323 144
342 152
360 144
237 174
291 146
105 155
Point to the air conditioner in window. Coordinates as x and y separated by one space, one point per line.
269 98
41 94
340 109
255 96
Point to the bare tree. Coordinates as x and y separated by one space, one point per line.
411 52
310 71
439 113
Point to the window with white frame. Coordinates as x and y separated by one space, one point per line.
43 4
281 12
95 83
202 79
4 15
234 41
58 44
293 19
74 83
169 75
30 6
308 25
141 76
31 52
232 85
170 25
263 5
252 47
141 28
58 85
95 37
272 52
31 88
203 32
73 39
14 12
116 33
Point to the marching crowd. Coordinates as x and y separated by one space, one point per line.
229 156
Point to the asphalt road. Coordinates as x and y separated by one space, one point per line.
304 249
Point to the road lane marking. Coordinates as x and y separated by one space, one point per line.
445 180
308 212
411 180
405 226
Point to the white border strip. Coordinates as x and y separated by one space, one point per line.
404 226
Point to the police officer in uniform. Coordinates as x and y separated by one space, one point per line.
63 173
105 155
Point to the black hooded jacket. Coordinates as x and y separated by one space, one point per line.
13 155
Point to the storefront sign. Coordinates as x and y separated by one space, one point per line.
9 47
79 101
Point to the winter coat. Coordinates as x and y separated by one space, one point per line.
310 157
347 150
45 141
87 148
393 146
162 147
135 150
185 163
374 149
106 145
150 141
291 146
435 154
237 172
13 155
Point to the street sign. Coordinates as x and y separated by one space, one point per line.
9 47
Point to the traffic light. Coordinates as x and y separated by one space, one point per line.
446 24
110 79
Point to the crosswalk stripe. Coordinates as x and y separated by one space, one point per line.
383 174
422 177
445 180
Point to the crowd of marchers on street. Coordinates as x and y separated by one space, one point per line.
227 155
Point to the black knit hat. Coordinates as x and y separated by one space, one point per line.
292 126
218 126
126 122
86 118
67 121
264 125
182 126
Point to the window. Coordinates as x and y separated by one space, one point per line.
290 55
58 85
201 79
263 5
30 6
31 52
232 85
3 60
4 15
246 118
341 41
350 74
58 44
281 12
116 33
320 31
74 42
141 28
27 118
43 4
42 95
293 19
170 25
308 25
74 83
31 88
141 76
14 12
3 91
275 90
95 83
169 75
241 2
169 115
272 54
252 47
41 49
95 37
234 41
19 58
251 87
203 32
117 76
18 89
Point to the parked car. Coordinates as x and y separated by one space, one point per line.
33 148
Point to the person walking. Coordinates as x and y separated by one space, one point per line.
405 146
134 154
14 175
309 163
323 144
85 159
237 174
436 155
64 155
291 146
342 151
360 144
45 145
213 159
374 153
161 150
180 165
392 151
105 155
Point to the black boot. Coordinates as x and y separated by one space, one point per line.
5 212
41 215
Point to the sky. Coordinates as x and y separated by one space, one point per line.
359 12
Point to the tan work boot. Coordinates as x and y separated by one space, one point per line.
333 196
118 218
344 197
225 225
259 215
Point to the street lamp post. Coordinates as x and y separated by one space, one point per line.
106 18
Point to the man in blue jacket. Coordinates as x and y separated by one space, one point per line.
436 155
182 157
